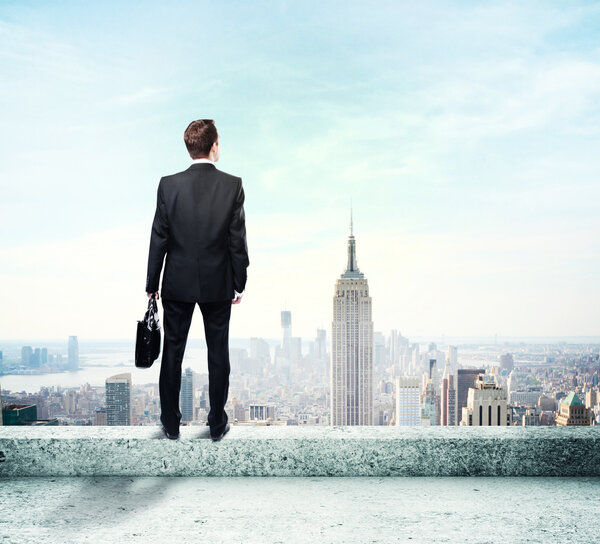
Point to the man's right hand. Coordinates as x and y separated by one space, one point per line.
237 300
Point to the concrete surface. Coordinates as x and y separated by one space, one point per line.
252 510
300 451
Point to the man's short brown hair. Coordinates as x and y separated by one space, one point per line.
199 137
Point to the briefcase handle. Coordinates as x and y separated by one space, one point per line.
151 317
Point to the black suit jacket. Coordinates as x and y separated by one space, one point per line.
200 225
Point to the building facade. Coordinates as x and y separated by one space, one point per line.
351 368
187 396
73 353
486 404
408 401
118 399
572 411
448 396
465 379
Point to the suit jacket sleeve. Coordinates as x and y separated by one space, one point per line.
158 242
238 247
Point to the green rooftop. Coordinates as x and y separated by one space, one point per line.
572 399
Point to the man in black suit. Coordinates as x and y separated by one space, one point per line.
200 225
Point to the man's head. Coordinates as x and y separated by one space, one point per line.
202 140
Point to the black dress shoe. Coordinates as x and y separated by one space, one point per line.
219 436
169 435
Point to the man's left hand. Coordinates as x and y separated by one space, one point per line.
155 295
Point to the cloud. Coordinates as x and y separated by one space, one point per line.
470 152
44 53
142 96
471 282
482 100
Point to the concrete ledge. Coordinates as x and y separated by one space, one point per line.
301 451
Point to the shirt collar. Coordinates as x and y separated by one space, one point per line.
202 160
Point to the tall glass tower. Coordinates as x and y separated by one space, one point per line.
187 395
351 385
286 327
73 353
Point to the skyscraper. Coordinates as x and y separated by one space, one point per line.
321 344
118 399
36 359
351 376
452 358
73 353
286 329
398 351
465 379
429 403
259 350
507 362
187 395
486 403
26 354
448 395
408 402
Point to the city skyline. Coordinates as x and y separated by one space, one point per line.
469 153
536 376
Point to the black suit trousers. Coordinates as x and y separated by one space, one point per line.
177 318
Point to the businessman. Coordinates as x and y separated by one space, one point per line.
200 225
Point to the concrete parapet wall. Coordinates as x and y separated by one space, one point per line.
301 451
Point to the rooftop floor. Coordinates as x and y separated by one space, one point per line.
299 510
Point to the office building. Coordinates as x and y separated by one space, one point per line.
408 401
261 412
486 404
448 404
73 353
118 399
351 369
26 355
187 395
465 379
286 330
572 411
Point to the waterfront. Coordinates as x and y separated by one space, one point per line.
99 360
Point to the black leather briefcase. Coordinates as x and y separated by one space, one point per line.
147 343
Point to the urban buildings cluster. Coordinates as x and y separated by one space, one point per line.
362 377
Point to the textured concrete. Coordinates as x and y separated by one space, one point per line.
301 451
299 510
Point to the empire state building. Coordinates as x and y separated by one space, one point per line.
351 387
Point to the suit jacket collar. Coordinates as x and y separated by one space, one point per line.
202 165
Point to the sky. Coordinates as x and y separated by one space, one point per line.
464 134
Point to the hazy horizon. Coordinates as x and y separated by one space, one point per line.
440 340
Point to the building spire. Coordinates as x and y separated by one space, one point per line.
352 270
